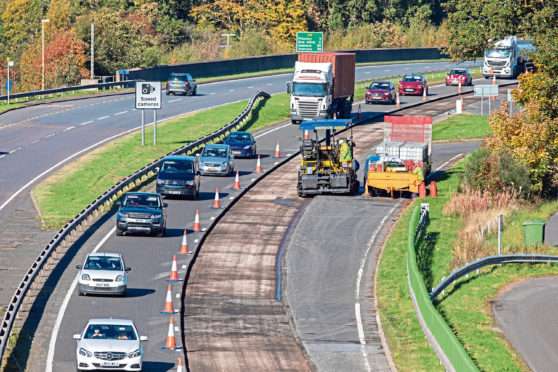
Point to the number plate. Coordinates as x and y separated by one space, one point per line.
376 97
409 90
101 284
236 152
173 192
110 364
140 220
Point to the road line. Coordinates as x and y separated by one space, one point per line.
360 328
1 156
232 90
176 100
212 93
447 162
37 140
87 122
120 113
11 152
69 128
50 135
103 117
272 130
62 310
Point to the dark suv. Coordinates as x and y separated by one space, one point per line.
141 212
179 175
181 83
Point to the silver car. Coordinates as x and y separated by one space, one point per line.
110 345
216 160
103 273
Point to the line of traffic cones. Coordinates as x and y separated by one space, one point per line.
168 309
397 102
424 98
459 89
258 166
277 151
493 83
197 227
174 272
184 245
216 201
359 115
236 185
171 340
307 134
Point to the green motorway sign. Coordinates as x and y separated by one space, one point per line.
309 41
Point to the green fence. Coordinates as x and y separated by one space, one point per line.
454 352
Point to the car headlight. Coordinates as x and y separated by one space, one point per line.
125 215
247 147
85 277
160 182
134 354
190 182
224 165
155 215
85 353
119 278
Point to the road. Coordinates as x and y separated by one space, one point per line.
525 314
150 259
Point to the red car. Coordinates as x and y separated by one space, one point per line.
455 76
380 91
413 84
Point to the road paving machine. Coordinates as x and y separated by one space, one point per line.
327 166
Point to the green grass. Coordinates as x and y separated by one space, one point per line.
5 106
65 194
462 126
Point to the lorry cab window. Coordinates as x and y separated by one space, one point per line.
309 89
497 53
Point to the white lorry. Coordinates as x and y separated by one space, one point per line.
508 58
323 85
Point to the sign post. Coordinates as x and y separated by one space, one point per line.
8 81
485 91
500 228
148 96
309 41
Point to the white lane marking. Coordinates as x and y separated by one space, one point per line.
69 128
250 87
253 179
276 163
120 113
446 163
62 310
62 162
37 140
183 266
11 152
407 68
212 93
368 72
363 261
1 156
195 241
178 294
212 218
103 117
177 329
231 198
269 84
271 130
176 100
387 70
50 135
87 122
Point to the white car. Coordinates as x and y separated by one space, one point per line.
103 273
109 344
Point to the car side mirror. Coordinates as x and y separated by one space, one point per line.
165 205
143 338
128 269
118 203
77 337
289 90
78 267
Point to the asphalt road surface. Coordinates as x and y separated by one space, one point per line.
527 316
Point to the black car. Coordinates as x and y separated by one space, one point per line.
181 83
179 175
242 144
141 212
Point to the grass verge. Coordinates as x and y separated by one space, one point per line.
462 126
5 106
66 192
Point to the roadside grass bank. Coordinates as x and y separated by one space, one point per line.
5 106
462 126
69 190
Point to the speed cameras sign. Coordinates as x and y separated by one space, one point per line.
148 95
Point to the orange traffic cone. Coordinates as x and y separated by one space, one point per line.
236 185
335 115
258 166
493 79
216 202
459 89
366 193
174 273
306 134
422 190
461 99
171 340
179 369
168 309
424 95
184 246
277 151
359 113
397 103
197 227
433 189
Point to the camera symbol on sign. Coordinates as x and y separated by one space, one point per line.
147 89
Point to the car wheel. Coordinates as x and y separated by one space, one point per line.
167 93
162 232
81 293
195 91
119 232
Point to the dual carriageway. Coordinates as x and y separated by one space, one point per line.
230 314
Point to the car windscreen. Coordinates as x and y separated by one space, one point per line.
239 137
412 79
177 166
145 201
379 86
103 263
497 53
309 89
458 72
214 152
110 332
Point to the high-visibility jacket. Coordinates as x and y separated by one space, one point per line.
419 172
345 153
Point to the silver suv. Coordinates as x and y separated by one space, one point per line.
141 212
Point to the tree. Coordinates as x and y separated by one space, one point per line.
21 22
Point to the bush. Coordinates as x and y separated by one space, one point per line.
495 172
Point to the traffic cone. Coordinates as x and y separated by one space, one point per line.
277 151
359 113
459 89
422 190
493 79
306 134
462 106
433 189
424 95
174 273
397 103
335 115
216 202
258 166
366 193
179 369
168 309
197 227
171 340
184 246
236 185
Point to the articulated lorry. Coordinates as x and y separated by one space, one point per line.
508 58
323 86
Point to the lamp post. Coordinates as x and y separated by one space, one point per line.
92 48
43 21
228 36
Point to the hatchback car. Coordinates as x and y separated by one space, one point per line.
179 175
103 273
216 160
181 83
110 345
380 91
141 212
242 144
456 76
413 84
